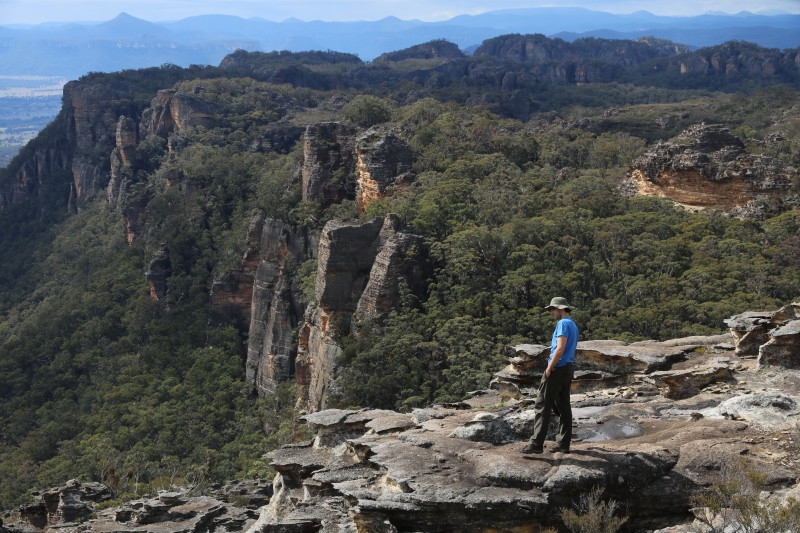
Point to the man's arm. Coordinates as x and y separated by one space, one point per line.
561 343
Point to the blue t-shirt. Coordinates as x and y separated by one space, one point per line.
565 328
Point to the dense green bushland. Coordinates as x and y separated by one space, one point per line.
99 381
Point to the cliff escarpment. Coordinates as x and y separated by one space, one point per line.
540 49
362 269
377 241
80 136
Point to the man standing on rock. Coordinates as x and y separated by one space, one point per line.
555 385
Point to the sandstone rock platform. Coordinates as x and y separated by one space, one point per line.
460 467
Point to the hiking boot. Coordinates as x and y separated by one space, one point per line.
533 448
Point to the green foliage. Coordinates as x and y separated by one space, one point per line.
366 110
592 515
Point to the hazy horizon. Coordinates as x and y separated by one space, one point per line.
31 12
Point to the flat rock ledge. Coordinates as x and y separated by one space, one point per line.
652 441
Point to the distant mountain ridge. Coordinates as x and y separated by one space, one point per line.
127 42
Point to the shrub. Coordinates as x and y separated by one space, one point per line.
591 515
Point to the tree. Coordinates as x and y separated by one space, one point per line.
366 111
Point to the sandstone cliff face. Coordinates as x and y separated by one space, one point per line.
92 127
383 165
581 61
362 269
172 111
123 154
329 163
30 178
736 59
88 125
277 304
707 166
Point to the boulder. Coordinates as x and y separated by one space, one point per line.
772 336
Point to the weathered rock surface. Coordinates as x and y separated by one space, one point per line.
329 162
655 424
71 502
605 363
460 467
172 111
277 304
772 336
383 165
707 166
72 508
361 269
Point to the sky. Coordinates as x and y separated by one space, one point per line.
38 11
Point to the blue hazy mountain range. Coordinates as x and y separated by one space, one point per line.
127 42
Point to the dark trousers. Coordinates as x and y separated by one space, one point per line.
554 391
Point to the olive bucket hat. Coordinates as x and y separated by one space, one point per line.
559 303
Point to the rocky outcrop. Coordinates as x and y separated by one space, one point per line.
338 164
85 127
771 336
173 111
361 269
383 165
604 364
735 59
460 467
655 424
707 166
277 302
158 272
71 502
329 163
72 508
